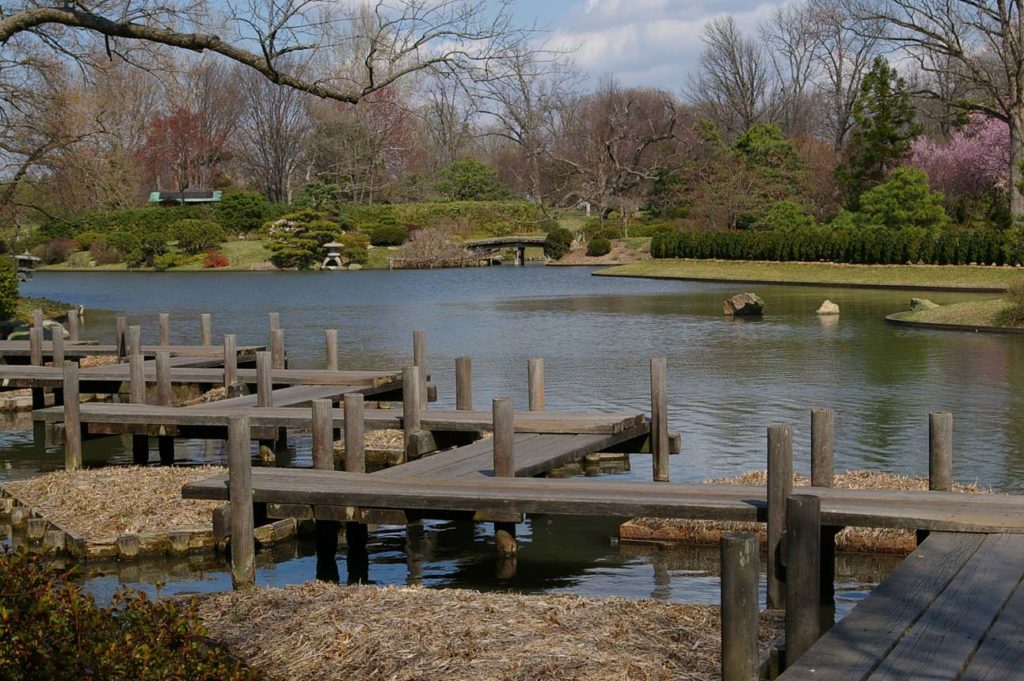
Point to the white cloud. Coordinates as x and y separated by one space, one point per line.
647 42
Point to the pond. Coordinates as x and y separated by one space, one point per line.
728 380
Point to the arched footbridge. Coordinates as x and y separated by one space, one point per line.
501 243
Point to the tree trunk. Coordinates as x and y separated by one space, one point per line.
1016 123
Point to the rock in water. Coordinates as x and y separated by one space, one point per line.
744 305
922 304
267 456
828 307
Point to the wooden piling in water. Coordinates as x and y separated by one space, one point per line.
230 363
57 337
355 442
803 534
277 348
464 383
274 319
419 359
121 339
503 416
205 329
535 376
331 349
740 566
780 487
264 384
243 548
323 435
823 475
940 451
35 346
137 395
164 334
410 407
72 419
659 418
37 318
164 391
73 326
134 340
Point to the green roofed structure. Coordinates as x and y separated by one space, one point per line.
184 197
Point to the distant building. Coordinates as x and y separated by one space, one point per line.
185 197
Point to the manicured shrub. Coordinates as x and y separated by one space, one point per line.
356 254
785 214
609 233
557 243
242 212
196 236
297 240
462 218
905 200
8 288
215 258
167 261
56 250
49 629
1015 296
387 235
599 246
469 180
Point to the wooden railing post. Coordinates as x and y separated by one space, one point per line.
35 352
410 408
823 475
331 349
205 329
277 348
355 443
323 435
37 318
264 382
165 398
535 375
503 423
803 536
72 418
230 364
57 355
419 359
121 333
137 395
274 320
73 326
134 340
940 451
659 418
740 566
243 548
780 486
464 383
164 335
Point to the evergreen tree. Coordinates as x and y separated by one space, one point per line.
884 127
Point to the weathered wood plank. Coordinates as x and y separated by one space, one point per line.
1001 654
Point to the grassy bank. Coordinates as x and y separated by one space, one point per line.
971 314
825 274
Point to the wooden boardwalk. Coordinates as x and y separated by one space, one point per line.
954 609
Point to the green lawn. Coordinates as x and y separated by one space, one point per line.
974 313
917 276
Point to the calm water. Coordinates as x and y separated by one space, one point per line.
728 381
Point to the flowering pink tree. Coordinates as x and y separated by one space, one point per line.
967 168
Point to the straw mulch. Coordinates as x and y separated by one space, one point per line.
92 361
852 539
324 631
105 503
386 438
212 395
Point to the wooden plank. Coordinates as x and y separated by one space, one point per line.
954 625
852 649
1001 654
292 396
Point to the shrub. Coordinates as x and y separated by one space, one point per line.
387 235
49 629
103 253
599 246
785 214
469 180
905 200
356 254
87 238
168 261
196 236
548 224
215 258
1015 296
557 243
465 218
56 250
609 233
8 288
651 229
241 212
297 239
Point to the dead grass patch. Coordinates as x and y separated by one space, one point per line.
852 539
323 631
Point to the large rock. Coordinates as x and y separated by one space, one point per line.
828 307
744 305
922 304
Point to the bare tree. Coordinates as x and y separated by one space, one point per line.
272 135
733 82
448 115
981 41
790 36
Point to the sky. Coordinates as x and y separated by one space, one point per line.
640 42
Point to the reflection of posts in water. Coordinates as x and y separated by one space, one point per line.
415 540
662 581
358 558
323 460
506 568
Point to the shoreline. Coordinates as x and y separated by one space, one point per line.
941 326
768 273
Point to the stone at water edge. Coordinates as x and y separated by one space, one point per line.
828 307
922 304
267 456
744 305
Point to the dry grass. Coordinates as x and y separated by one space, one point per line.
323 631
102 504
853 539
212 395
92 361
377 439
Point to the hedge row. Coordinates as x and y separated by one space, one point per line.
496 218
870 245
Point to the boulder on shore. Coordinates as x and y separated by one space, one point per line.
744 305
922 304
828 307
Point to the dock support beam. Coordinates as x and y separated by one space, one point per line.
803 535
134 340
323 460
356 534
137 395
277 348
503 415
659 418
411 405
72 420
780 486
740 566
464 383
243 548
331 349
165 398
264 390
535 375
940 451
823 475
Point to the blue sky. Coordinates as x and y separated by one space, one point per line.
640 42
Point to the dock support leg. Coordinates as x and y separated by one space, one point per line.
243 544
358 558
740 565
165 445
659 418
803 578
140 449
415 541
940 456
780 486
502 415
72 419
823 475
